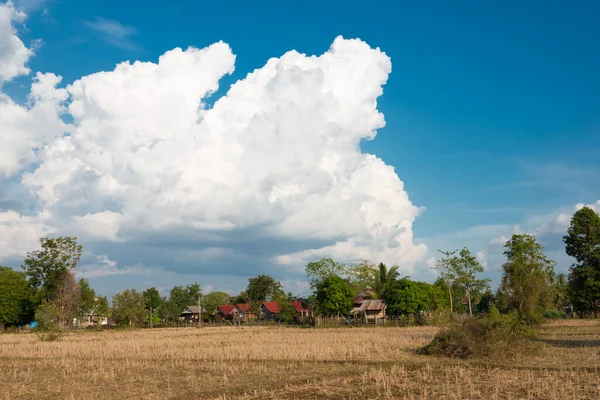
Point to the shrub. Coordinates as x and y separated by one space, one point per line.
51 335
555 314
486 335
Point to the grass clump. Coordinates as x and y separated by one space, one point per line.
487 335
49 335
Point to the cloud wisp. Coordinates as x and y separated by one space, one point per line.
114 33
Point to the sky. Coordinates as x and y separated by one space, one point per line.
209 143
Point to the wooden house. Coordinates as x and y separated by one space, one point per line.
190 314
301 311
225 312
245 312
270 311
372 309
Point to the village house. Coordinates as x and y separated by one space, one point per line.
226 312
372 309
190 314
301 311
269 310
245 312
358 300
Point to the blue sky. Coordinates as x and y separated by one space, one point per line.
491 109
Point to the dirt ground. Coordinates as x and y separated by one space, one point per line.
291 363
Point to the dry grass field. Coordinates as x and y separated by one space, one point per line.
289 363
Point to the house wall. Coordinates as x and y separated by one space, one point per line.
372 314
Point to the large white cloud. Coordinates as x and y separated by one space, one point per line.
13 52
25 129
277 158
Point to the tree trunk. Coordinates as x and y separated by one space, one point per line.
469 297
450 293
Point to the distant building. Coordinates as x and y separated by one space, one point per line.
245 312
190 314
225 312
270 311
372 309
301 311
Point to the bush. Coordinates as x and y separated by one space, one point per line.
555 314
52 335
486 335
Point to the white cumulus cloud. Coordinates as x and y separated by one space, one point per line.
13 52
276 162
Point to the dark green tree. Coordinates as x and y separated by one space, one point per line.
457 291
287 313
152 298
86 298
583 244
183 296
211 301
561 292
405 297
101 308
382 279
263 288
46 267
526 285
15 302
129 307
333 296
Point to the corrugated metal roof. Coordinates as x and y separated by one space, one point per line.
272 306
226 308
192 309
372 305
298 306
243 306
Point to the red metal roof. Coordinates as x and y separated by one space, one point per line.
243 306
464 301
298 306
226 308
272 306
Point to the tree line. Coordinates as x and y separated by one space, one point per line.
48 292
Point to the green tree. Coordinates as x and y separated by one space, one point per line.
129 307
486 303
457 291
447 266
333 296
101 308
15 302
382 279
152 298
360 275
316 271
583 244
86 298
179 298
263 288
47 315
561 292
462 269
46 267
211 301
436 295
526 285
405 297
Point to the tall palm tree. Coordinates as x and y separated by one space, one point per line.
382 278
